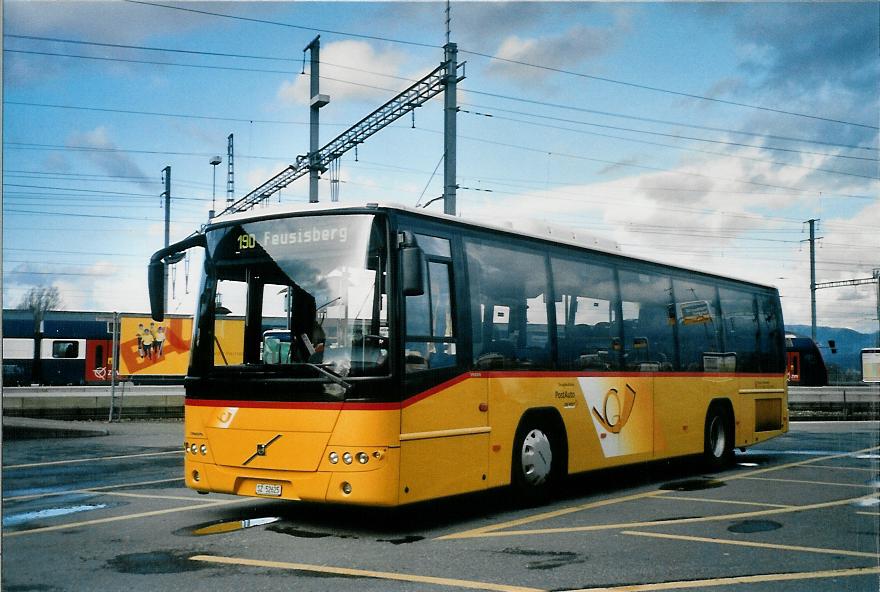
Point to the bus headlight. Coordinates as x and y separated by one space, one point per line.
363 458
203 449
193 447
346 458
333 458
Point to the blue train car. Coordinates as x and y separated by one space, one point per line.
73 348
806 367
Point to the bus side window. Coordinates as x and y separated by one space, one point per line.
509 312
586 315
741 328
430 333
649 344
699 326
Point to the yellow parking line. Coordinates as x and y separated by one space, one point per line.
808 461
365 573
625 525
756 579
696 539
485 530
126 517
873 470
723 501
95 459
140 495
490 530
860 485
91 489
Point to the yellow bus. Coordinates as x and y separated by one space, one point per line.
425 356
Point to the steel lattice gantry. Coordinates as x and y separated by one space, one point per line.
415 96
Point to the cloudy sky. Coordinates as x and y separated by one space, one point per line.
699 134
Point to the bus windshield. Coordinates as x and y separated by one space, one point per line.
297 297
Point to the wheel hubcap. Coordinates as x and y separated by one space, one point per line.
717 437
537 457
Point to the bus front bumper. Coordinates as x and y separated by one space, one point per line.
374 484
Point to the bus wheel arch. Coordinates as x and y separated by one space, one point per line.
540 455
719 434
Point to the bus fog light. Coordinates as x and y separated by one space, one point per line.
196 476
203 449
363 458
333 458
346 487
346 458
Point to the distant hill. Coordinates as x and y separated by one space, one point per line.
849 345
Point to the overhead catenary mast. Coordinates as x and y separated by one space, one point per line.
443 78
230 173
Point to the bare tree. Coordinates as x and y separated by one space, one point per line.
39 301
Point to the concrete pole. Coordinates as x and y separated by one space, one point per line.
812 223
877 277
166 173
314 82
450 112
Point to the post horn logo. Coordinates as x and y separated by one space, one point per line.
615 413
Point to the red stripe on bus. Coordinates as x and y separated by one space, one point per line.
262 404
440 387
457 380
551 374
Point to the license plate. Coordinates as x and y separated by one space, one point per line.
268 489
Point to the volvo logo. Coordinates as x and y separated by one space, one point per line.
261 450
615 413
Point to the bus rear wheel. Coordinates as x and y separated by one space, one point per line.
533 472
718 439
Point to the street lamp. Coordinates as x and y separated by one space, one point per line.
215 160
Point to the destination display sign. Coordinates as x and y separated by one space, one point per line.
696 312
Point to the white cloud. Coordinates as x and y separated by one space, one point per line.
365 68
574 46
101 150
697 217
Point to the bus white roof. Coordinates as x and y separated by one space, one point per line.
527 228
531 228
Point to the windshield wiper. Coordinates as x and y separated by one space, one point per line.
333 376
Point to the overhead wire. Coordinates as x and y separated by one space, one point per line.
288 25
653 133
508 60
662 121
665 90
674 147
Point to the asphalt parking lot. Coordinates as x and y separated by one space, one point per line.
110 513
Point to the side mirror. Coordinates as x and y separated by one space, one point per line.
156 284
156 271
412 262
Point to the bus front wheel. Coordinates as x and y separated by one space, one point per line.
718 439
533 471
